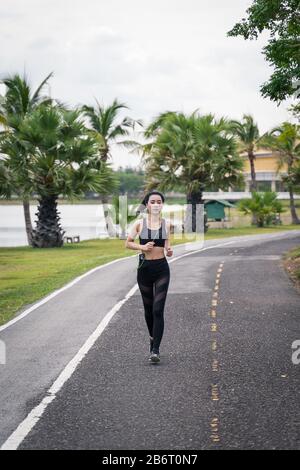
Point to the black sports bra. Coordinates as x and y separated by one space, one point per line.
157 235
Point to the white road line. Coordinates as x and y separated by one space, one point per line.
15 439
77 279
33 417
65 287
58 291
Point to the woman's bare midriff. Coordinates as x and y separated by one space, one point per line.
156 253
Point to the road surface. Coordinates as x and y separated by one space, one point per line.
226 378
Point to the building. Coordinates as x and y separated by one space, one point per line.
267 178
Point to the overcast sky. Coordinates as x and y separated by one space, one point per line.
153 56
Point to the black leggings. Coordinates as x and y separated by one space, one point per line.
153 279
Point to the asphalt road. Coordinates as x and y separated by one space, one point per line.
226 378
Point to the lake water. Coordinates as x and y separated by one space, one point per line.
86 220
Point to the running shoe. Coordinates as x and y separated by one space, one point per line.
155 357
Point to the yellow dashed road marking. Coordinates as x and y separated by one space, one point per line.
215 393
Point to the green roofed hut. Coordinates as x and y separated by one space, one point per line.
215 209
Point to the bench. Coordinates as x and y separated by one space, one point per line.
72 238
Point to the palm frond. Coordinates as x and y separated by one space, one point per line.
36 95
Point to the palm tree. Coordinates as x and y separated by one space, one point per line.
285 140
18 102
249 138
191 152
62 158
106 131
263 205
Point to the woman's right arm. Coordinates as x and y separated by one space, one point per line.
130 243
130 239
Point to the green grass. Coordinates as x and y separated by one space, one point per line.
294 257
29 274
294 253
131 200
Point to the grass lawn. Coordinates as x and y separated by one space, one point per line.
291 262
29 274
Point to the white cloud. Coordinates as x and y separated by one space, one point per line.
153 56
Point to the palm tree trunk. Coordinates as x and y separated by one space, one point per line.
294 216
253 185
28 225
195 219
48 233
